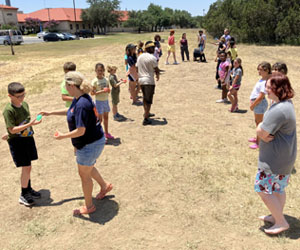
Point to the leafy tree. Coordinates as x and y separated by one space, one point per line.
137 19
51 25
33 24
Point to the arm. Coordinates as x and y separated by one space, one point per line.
73 134
257 100
56 112
17 129
235 79
156 69
264 135
66 98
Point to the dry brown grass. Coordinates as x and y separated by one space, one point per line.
184 185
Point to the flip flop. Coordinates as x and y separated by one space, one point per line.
102 194
84 210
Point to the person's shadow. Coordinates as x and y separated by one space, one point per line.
159 122
241 111
114 142
292 233
106 209
123 118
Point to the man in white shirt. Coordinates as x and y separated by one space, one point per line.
147 65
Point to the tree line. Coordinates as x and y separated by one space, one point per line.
256 21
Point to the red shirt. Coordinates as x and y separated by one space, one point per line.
171 40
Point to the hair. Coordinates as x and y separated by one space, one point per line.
157 38
280 67
183 35
15 88
239 61
141 44
281 86
172 32
265 66
200 31
78 79
69 66
222 39
100 65
222 52
111 68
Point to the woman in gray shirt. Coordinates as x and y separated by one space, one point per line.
277 151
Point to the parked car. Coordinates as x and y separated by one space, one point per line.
53 37
69 36
84 33
16 37
41 34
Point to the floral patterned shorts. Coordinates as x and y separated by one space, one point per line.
269 183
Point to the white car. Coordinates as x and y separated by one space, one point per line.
41 34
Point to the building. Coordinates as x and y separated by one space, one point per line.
66 18
8 15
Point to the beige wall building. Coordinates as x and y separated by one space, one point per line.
8 15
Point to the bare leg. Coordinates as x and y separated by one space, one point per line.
258 120
174 56
132 88
114 109
85 173
167 60
25 176
105 122
97 177
224 91
274 204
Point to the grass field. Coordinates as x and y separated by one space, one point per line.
184 183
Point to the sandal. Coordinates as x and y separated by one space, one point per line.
84 210
253 139
102 194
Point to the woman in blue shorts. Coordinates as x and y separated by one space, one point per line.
87 138
277 151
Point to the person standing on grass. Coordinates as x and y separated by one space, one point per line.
171 47
201 44
147 65
87 138
258 102
184 48
277 151
223 72
65 96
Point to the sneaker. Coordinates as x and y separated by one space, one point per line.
147 121
109 136
227 101
254 146
151 114
176 63
34 194
220 101
252 139
167 63
26 200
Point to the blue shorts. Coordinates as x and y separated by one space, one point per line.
102 107
262 107
201 48
269 183
88 155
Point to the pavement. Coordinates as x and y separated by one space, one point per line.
31 39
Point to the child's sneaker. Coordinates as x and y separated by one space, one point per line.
220 101
109 136
254 146
175 63
26 200
34 194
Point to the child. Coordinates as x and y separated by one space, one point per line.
171 47
158 50
221 47
20 139
140 48
184 47
258 102
223 71
65 96
132 73
201 44
237 74
101 90
280 67
233 51
115 91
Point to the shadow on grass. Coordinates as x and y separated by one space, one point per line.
113 142
292 233
106 210
241 111
159 122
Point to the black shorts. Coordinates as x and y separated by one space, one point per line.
148 92
23 151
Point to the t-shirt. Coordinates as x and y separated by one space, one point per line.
113 82
237 72
258 88
126 58
278 156
184 42
16 116
202 39
221 46
233 52
222 69
64 91
100 84
146 64
171 40
82 113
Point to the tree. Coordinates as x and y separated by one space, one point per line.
51 25
137 19
102 14
33 24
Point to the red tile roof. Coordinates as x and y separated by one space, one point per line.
7 7
60 14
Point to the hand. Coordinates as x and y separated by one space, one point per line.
35 122
251 106
58 136
269 138
44 113
5 137
157 77
107 90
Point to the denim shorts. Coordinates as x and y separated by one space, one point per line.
102 106
88 155
262 107
269 183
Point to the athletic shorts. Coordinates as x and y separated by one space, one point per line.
171 48
148 92
262 107
269 183
23 151
102 107
88 155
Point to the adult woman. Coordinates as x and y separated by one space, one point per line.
87 137
277 151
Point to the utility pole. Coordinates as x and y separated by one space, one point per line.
48 14
75 19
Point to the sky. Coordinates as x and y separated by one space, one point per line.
195 7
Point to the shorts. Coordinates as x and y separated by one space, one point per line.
130 79
236 87
262 107
23 151
102 107
171 48
88 155
269 183
148 92
115 97
201 48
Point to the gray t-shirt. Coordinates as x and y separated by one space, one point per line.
279 155
237 72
